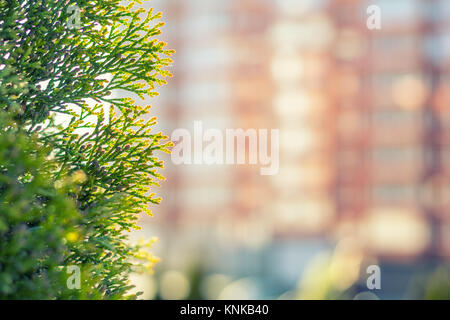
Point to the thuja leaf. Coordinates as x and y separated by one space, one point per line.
49 72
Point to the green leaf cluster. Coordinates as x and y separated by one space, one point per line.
71 190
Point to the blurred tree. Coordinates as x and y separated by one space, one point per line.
70 193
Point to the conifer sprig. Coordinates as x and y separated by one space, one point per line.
104 156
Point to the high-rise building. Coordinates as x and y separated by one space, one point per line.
363 118
390 176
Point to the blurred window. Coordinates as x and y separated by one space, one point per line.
398 194
412 154
395 44
396 118
196 92
208 196
204 25
197 58
437 47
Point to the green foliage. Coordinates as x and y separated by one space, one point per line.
70 193
438 284
34 220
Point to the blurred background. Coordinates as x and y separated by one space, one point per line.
364 119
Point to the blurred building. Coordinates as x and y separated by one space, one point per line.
364 128
390 138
